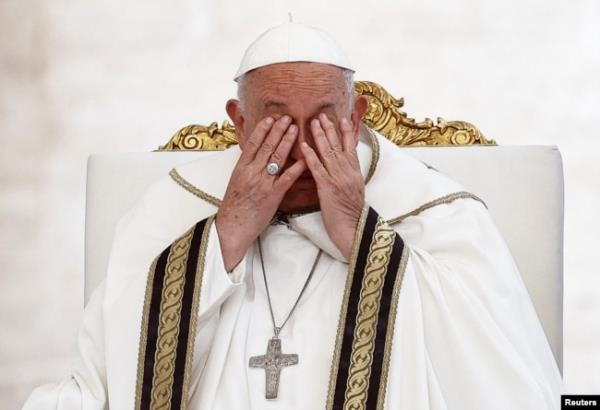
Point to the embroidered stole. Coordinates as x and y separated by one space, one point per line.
169 322
361 359
363 344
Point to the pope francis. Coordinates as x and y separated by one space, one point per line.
314 266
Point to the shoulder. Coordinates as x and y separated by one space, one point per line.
402 185
163 213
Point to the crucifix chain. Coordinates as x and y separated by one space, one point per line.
273 361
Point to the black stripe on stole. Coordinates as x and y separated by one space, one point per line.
353 300
186 312
158 281
367 238
152 332
382 323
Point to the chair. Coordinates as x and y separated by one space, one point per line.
521 185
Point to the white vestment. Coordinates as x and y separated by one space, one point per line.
465 335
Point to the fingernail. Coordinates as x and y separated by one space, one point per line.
315 122
269 120
323 117
293 128
304 145
345 122
286 119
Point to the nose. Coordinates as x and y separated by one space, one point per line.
304 135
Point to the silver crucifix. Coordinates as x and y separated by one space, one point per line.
273 362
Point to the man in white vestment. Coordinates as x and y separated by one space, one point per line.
314 266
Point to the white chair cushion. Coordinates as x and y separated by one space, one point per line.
521 185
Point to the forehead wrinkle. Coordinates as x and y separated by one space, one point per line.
281 97
308 78
285 87
310 70
313 86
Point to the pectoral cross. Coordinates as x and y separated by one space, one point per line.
273 362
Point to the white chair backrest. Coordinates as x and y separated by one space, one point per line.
522 186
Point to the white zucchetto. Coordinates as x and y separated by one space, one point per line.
291 42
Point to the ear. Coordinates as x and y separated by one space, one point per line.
360 108
235 114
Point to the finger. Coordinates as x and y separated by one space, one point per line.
348 141
323 148
255 140
314 163
331 133
287 179
332 157
280 155
270 143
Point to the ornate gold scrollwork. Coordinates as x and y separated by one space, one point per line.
202 138
383 115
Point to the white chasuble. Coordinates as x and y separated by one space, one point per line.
429 313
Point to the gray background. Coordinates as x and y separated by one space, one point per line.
90 77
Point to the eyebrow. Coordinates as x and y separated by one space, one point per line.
279 104
275 104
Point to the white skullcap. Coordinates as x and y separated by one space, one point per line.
291 42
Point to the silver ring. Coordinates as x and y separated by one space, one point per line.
272 168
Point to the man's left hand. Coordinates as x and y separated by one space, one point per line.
340 184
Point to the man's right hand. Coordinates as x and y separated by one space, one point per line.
253 196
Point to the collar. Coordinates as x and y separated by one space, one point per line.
311 226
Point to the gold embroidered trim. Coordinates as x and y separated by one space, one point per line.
333 373
143 334
389 337
439 201
194 313
366 319
169 319
193 189
374 155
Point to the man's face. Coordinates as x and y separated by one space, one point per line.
300 90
